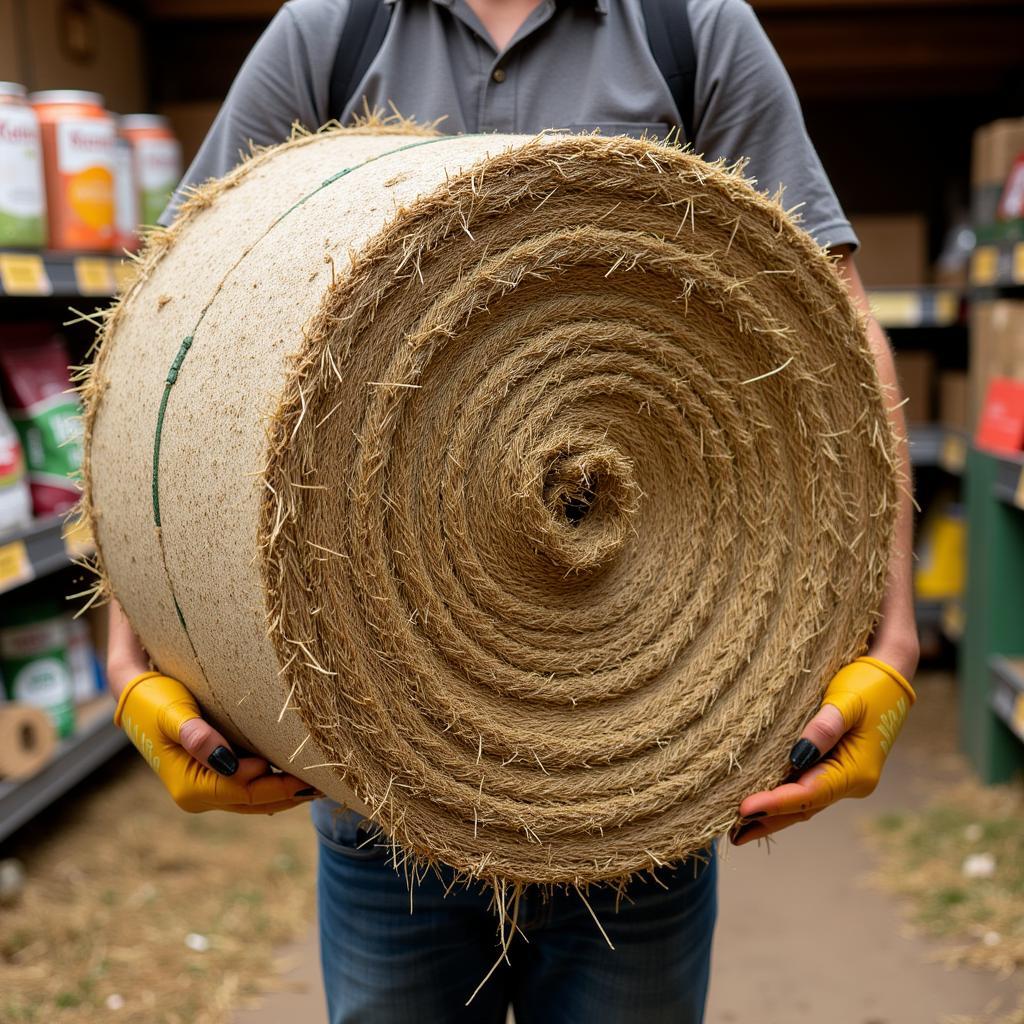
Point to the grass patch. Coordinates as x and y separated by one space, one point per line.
927 859
121 880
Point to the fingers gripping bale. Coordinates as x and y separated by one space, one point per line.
523 492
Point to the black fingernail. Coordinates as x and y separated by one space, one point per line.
803 755
756 814
310 791
223 761
739 833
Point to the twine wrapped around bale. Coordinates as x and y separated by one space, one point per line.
523 492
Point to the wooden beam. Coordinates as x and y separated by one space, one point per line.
212 10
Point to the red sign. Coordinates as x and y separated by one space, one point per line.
1001 428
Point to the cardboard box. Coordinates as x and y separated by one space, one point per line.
191 122
893 250
90 45
953 399
996 348
995 147
916 373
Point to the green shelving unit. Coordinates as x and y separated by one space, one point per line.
992 710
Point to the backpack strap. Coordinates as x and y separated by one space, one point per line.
671 42
361 39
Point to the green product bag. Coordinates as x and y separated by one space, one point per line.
34 661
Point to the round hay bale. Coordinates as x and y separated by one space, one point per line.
523 492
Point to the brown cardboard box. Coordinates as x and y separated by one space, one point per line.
997 348
90 45
191 122
994 150
916 371
893 249
953 399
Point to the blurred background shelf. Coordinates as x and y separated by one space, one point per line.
896 308
58 275
1008 692
44 547
95 741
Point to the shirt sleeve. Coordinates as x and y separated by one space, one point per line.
746 106
285 79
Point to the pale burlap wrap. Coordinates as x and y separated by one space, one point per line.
523 492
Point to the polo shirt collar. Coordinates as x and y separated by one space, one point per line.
600 6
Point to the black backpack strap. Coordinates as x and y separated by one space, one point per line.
671 42
361 39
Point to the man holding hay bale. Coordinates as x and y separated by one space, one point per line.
523 66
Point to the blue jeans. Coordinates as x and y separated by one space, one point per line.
383 965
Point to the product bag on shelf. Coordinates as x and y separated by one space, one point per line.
34 661
81 660
22 194
15 500
46 414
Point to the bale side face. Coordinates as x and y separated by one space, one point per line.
566 498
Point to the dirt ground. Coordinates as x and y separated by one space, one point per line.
802 936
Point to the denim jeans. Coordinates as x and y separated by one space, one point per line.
383 965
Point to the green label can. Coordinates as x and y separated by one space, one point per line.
34 659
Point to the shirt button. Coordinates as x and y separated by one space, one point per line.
498 74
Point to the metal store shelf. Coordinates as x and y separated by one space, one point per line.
1008 485
61 275
1008 692
938 446
915 307
40 549
95 742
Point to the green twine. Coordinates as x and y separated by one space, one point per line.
186 344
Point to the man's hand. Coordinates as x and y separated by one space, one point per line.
193 760
864 709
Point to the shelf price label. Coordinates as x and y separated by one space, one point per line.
953 454
985 265
1018 714
77 539
94 275
15 565
896 309
23 273
1018 263
125 272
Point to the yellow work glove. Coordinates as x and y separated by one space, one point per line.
872 700
192 759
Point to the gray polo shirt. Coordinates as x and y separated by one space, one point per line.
575 64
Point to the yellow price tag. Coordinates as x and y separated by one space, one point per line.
124 274
985 265
15 567
1018 263
1018 714
77 538
947 308
23 273
953 619
94 275
953 455
1018 495
896 309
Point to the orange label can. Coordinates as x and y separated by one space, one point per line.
79 154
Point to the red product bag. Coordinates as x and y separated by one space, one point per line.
46 413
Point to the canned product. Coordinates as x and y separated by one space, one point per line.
22 194
79 141
126 196
34 656
157 161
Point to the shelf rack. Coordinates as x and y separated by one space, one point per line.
96 740
993 642
60 275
